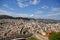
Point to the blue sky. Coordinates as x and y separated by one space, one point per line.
48 9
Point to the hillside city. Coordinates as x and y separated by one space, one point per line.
19 28
29 19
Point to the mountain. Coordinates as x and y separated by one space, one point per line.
6 17
41 20
11 17
49 20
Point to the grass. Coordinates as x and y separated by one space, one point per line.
31 38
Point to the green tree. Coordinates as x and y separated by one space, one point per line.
54 36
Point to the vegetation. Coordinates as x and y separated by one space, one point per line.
54 36
31 38
11 17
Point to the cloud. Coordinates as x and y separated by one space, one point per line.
22 15
5 5
49 15
12 9
32 15
39 12
34 2
4 12
56 9
25 3
45 7
20 4
55 14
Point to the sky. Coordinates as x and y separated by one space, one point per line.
46 9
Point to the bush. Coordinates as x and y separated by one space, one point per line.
54 36
31 38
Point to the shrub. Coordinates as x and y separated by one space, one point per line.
54 36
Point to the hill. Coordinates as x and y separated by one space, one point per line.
40 20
